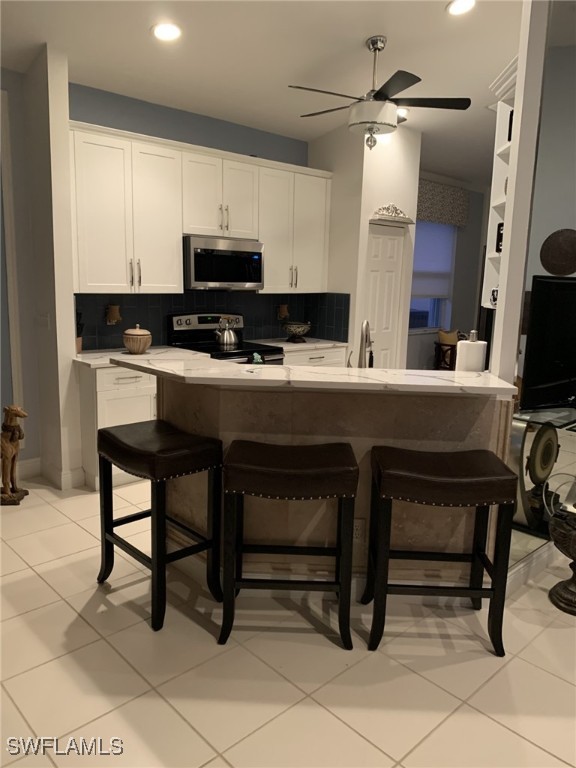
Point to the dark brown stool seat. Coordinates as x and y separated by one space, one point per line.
448 479
288 472
157 451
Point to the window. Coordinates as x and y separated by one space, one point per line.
434 246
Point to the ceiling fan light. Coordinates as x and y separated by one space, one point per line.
458 7
372 117
166 32
402 112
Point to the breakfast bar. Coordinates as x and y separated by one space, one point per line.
299 405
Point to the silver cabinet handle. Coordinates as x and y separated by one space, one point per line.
139 273
132 272
296 281
317 357
221 209
121 379
291 276
227 218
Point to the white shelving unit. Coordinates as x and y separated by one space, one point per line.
497 214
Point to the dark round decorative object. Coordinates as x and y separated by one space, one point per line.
558 252
563 532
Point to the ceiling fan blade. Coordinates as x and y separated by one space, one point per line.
399 81
331 93
325 111
435 103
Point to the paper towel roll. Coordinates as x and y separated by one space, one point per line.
470 355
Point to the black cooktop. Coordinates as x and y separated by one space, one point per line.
242 349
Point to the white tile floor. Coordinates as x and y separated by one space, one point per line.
80 660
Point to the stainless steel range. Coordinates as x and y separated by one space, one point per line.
204 333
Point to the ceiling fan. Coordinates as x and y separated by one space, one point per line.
377 111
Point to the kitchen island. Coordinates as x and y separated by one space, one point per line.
427 410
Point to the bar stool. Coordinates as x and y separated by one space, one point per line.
454 479
158 451
288 472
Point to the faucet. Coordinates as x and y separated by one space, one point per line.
365 345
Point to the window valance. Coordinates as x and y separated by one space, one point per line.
442 203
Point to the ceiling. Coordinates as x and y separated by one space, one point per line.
235 60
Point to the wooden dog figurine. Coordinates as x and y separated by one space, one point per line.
12 433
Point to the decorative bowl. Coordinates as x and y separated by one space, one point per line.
296 330
137 340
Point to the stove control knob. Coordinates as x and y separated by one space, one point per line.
179 321
188 321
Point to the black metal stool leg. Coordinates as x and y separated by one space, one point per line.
368 595
478 547
383 531
106 519
344 567
158 531
214 533
239 546
500 575
229 563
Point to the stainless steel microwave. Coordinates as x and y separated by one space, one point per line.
220 263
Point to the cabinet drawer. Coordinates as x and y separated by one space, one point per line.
335 357
122 378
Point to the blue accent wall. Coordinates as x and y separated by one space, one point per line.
328 313
90 105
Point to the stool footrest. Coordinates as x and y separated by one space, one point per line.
129 549
131 518
193 549
317 586
186 529
449 557
283 549
437 591
488 564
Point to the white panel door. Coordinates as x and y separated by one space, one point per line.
384 277
157 199
276 225
311 205
240 199
103 191
202 212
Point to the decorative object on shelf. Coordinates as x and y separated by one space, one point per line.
510 121
499 237
79 329
471 354
113 314
12 433
283 313
137 340
558 252
494 297
376 112
296 331
562 528
391 212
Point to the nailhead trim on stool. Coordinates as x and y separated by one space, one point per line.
153 450
271 471
441 479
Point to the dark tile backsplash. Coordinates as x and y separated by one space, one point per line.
328 313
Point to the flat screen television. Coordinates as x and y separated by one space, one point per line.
549 376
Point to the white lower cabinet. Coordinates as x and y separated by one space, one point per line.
109 397
334 356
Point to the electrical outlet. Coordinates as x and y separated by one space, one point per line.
359 530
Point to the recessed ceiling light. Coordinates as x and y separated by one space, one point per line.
166 32
402 112
458 7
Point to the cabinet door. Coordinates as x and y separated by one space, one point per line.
325 357
276 224
240 199
157 199
311 206
126 406
202 212
103 192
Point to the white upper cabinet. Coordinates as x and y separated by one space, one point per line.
128 202
103 191
220 197
276 217
311 216
294 209
157 202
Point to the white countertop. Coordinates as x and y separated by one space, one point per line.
194 368
309 344
100 358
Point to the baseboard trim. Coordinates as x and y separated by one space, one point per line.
531 565
28 468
